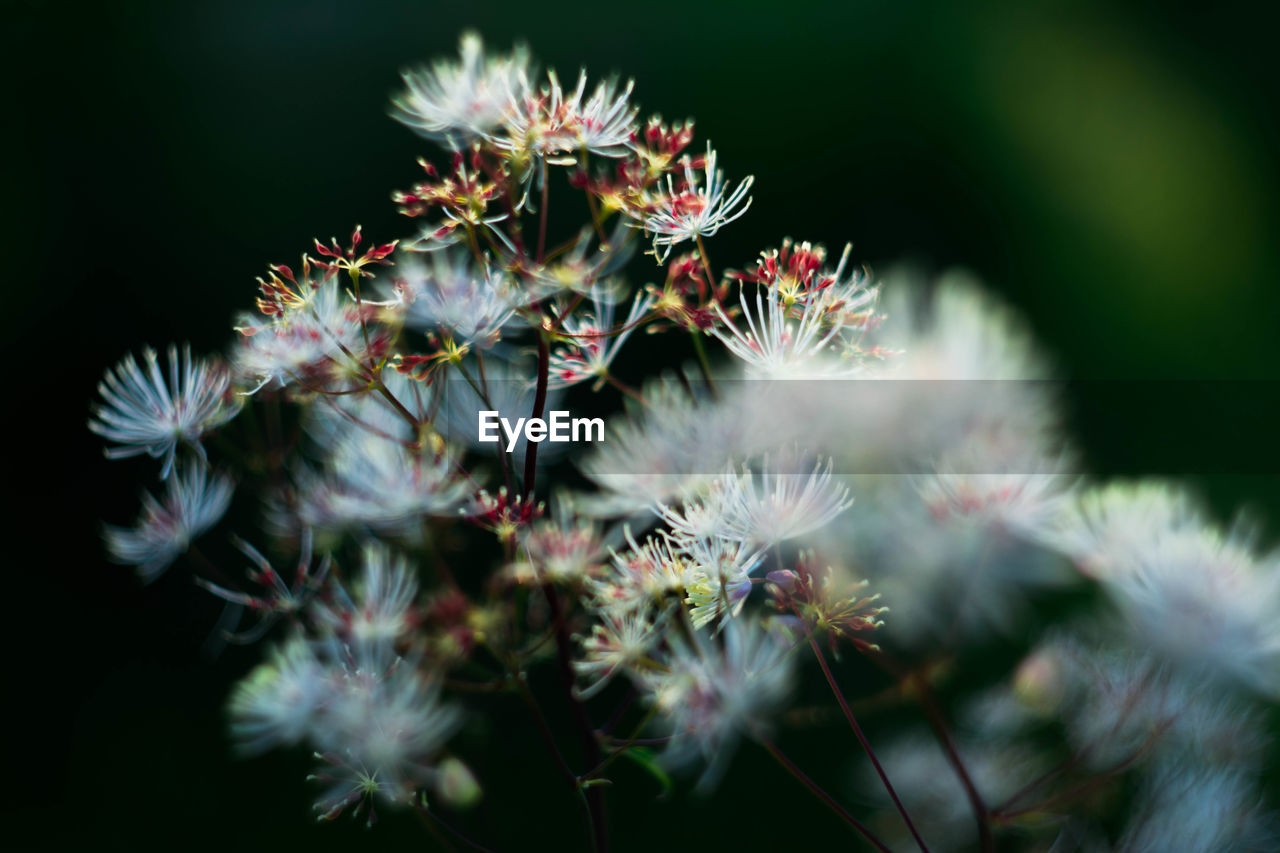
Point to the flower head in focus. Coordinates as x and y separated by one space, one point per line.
695 207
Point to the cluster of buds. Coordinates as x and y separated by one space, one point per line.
823 606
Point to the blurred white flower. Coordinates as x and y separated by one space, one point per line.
452 296
1190 592
456 103
144 413
381 610
710 691
193 502
780 503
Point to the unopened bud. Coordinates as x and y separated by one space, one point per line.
457 785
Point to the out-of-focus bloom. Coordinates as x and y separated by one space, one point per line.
313 341
451 296
193 502
1000 480
143 413
709 693
457 103
561 550
382 609
687 211
932 792
1195 809
671 447
593 343
278 598
1121 705
375 482
374 720
275 704
1194 595
621 639
378 736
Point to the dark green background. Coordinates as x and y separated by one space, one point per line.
1110 168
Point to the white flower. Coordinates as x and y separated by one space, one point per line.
378 735
642 575
593 343
456 103
1190 592
672 446
1195 809
462 302
374 481
311 342
708 694
145 414
781 505
564 550
695 210
274 705
193 502
621 639
776 345
718 579
382 609
551 126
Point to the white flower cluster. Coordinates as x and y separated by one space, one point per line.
835 454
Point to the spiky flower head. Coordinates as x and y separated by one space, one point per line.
694 206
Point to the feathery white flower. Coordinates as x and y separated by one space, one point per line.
669 448
456 103
274 705
779 504
455 298
718 580
695 210
621 639
193 502
776 345
709 693
593 343
640 576
312 341
375 482
144 413
1192 593
379 734
551 126
381 611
